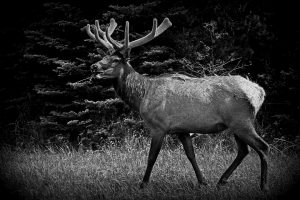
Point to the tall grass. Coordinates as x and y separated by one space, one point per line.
115 171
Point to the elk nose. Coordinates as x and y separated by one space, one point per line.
95 68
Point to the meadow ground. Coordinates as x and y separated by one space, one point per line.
116 171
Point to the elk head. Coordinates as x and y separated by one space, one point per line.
116 61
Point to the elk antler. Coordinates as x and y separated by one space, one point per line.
97 31
153 34
127 46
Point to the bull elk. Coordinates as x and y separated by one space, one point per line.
181 104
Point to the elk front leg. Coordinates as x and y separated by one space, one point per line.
156 142
189 150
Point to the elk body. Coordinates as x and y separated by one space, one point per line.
180 104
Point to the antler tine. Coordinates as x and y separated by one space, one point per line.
104 41
126 42
126 49
146 38
163 26
112 26
108 33
98 39
95 35
89 32
99 29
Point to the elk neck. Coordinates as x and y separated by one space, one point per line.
131 86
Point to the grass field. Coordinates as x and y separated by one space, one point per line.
115 173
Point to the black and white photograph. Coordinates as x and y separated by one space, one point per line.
149 99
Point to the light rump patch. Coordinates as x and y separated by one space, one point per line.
253 91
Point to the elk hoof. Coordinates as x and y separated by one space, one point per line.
265 189
204 183
143 185
222 182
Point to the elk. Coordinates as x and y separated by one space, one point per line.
179 104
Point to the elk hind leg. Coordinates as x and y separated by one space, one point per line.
248 135
189 150
243 150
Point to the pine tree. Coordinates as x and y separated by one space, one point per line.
55 56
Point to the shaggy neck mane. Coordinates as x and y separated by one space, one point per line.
131 86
